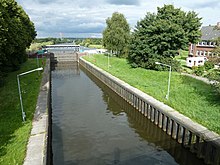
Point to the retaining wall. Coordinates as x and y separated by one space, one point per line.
198 139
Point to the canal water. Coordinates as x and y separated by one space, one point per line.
91 125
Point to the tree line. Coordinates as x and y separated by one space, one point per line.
16 34
156 38
88 41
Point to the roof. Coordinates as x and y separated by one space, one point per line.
209 33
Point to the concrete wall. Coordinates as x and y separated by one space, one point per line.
38 142
198 139
68 56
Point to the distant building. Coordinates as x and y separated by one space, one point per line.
95 51
90 51
101 51
206 45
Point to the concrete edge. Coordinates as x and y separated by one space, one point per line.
37 144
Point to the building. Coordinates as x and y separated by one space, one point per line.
195 61
207 44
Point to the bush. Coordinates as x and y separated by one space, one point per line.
214 60
134 65
209 65
175 65
2 75
198 70
150 64
215 76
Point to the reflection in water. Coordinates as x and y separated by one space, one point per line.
92 125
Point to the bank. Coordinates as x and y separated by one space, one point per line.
193 98
14 133
199 139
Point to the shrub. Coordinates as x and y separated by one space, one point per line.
134 65
215 75
175 65
209 65
198 70
2 75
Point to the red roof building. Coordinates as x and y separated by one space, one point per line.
207 44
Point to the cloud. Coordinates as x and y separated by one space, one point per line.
123 2
203 4
87 18
45 1
67 20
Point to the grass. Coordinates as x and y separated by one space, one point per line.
189 96
96 46
14 133
182 59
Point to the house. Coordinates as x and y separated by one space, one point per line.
90 51
195 61
206 45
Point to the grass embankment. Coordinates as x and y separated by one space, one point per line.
189 96
14 133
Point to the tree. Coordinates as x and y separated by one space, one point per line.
16 33
117 34
216 50
158 37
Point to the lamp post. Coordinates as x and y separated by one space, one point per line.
19 90
168 88
39 52
108 61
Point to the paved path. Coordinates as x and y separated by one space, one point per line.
207 81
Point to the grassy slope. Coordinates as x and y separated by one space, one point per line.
13 132
190 97
182 59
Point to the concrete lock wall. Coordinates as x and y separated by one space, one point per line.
205 143
63 56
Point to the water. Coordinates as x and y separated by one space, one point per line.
93 126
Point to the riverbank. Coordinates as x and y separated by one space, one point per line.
191 97
14 133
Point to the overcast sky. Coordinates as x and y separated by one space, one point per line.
86 18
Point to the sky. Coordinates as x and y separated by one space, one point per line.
86 18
